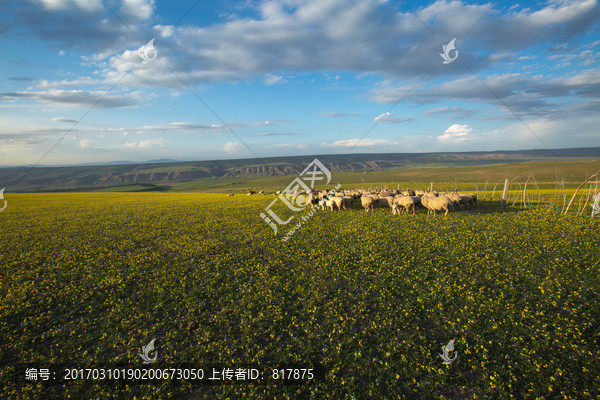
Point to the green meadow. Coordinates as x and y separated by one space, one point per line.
366 300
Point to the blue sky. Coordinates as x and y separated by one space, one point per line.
244 79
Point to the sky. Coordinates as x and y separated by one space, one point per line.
94 81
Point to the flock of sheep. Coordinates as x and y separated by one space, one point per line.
398 202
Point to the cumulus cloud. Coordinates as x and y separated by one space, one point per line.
90 25
525 95
88 6
233 147
333 35
456 133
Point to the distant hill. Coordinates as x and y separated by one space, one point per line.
83 177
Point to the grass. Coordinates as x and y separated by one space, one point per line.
92 277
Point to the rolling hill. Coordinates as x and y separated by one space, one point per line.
162 176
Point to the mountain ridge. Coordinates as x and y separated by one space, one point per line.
108 175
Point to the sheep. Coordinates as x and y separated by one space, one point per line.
367 202
407 202
455 198
386 201
229 194
329 204
310 200
347 202
338 202
321 203
468 199
425 202
440 203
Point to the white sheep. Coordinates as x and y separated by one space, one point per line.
440 203
455 198
386 201
367 202
338 201
407 202
329 204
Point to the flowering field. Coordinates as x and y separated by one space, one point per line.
370 299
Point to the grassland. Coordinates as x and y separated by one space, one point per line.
371 298
467 177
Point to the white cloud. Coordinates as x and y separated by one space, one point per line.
337 114
85 81
340 35
137 10
233 147
80 98
271 79
86 143
387 118
146 144
360 143
456 132
361 36
64 120
451 112
70 5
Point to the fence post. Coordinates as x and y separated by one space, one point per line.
504 194
431 189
